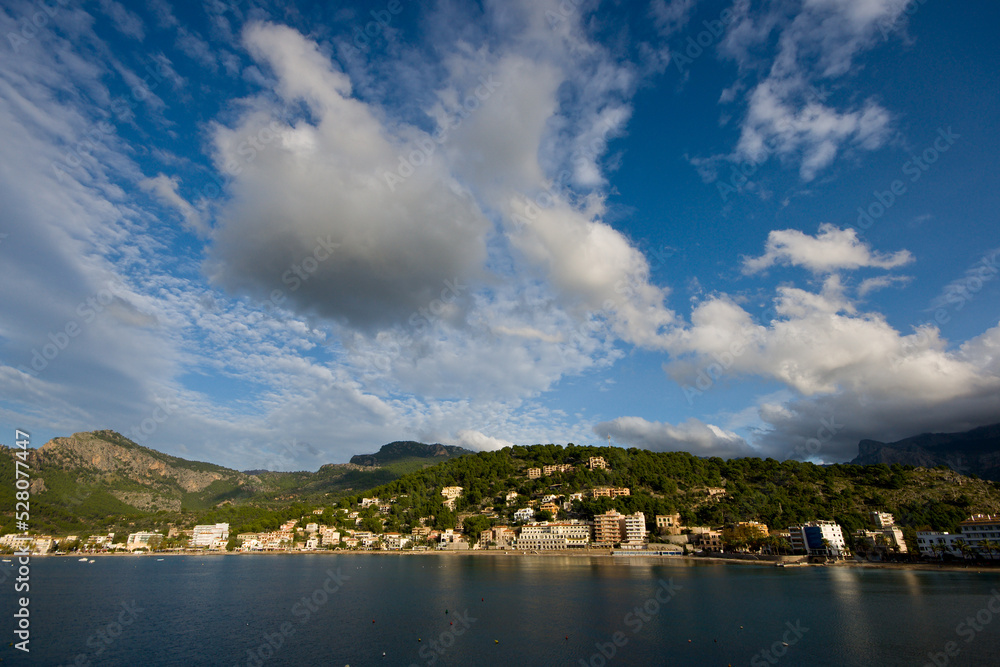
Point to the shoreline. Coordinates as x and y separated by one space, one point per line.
603 554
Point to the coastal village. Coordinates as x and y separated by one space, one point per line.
546 523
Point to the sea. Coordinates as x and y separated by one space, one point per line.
361 609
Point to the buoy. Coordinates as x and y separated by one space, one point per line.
496 641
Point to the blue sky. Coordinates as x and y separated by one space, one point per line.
274 236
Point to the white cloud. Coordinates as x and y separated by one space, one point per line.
165 189
479 442
691 436
832 249
787 113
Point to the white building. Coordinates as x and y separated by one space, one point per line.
147 541
634 529
206 535
524 514
546 535
978 531
818 538
395 541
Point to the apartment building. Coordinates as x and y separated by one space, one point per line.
668 524
597 463
633 529
207 535
140 540
534 473
502 537
549 535
611 492
977 532
818 538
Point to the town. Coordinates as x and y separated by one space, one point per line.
546 523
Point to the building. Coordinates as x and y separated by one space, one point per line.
597 463
708 540
395 541
668 524
276 540
330 536
511 497
612 527
978 532
500 537
751 530
452 541
715 492
148 541
611 492
548 535
551 508
534 473
18 542
206 535
524 514
450 493
556 468
365 502
607 527
818 538
888 539
882 519
633 529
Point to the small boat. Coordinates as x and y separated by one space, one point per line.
158 559
91 560
81 560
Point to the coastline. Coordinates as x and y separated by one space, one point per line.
603 554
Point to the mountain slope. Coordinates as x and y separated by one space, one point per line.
975 452
399 450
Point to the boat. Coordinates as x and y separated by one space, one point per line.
81 560
91 560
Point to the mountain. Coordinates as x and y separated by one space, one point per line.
975 452
397 451
82 481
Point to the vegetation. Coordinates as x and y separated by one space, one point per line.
77 500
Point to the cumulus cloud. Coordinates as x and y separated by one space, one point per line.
691 436
787 113
400 246
479 442
832 249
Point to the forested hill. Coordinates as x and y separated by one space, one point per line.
775 493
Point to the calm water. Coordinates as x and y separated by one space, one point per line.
494 611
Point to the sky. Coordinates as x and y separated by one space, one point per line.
274 235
